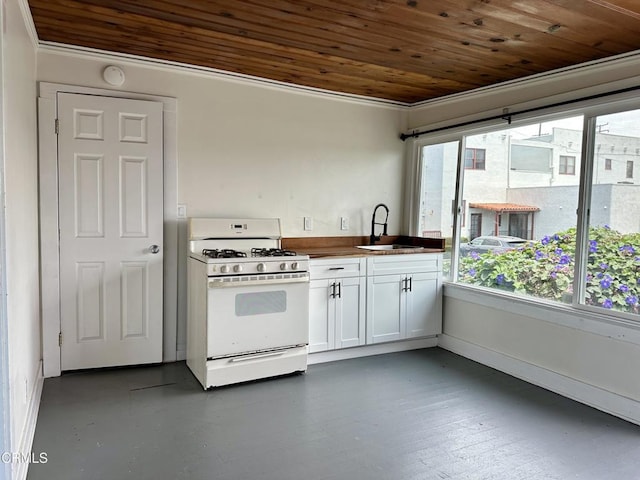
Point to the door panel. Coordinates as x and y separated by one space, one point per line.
384 308
321 313
350 307
423 305
110 163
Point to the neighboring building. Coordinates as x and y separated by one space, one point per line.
528 187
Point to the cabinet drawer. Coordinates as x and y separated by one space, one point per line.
404 264
337 268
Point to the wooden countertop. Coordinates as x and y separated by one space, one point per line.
319 247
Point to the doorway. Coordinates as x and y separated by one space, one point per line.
49 225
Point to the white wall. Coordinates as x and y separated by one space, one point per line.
571 354
256 151
248 150
21 187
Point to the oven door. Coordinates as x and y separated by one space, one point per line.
256 317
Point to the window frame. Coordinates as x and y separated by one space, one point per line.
563 168
474 159
589 109
629 172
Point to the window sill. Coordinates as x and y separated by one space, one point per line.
564 315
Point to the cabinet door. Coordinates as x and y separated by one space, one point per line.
423 305
384 308
350 308
321 316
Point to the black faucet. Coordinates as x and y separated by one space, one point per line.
373 237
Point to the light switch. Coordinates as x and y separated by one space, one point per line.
308 223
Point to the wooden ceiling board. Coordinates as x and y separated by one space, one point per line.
399 50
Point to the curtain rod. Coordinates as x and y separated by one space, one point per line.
507 116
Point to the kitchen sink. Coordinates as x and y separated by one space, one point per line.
390 247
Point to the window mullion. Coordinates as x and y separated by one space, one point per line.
584 202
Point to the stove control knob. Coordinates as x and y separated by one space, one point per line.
294 266
224 269
283 266
237 268
262 267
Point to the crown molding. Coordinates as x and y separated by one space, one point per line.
28 22
539 79
171 66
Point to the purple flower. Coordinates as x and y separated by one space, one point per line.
600 275
593 246
474 255
539 255
623 288
627 250
500 279
558 251
607 303
604 266
545 240
556 237
631 300
472 272
564 259
607 227
606 282
554 275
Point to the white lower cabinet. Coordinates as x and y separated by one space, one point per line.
403 297
336 304
381 298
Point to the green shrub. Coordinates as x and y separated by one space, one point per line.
544 268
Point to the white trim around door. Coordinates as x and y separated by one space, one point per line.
49 238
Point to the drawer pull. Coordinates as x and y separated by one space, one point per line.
336 268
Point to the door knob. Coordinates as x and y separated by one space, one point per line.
154 249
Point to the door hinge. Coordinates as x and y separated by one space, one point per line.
57 126
60 339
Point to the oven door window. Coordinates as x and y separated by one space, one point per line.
260 303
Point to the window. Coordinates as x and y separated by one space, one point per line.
612 262
567 165
522 234
439 166
539 208
474 158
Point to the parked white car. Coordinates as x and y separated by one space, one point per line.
487 243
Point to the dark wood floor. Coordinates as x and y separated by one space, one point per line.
426 414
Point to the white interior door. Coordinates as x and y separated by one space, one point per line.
110 163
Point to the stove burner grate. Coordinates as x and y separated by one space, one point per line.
224 253
271 252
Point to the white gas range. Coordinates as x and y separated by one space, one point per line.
248 307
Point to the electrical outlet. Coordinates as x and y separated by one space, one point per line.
308 223
344 223
182 211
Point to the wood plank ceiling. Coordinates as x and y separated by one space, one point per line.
400 50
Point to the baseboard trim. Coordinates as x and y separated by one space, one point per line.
612 403
26 439
368 350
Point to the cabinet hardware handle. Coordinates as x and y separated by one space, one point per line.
404 284
411 284
333 290
339 289
336 268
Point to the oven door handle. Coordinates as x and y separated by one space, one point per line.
232 282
